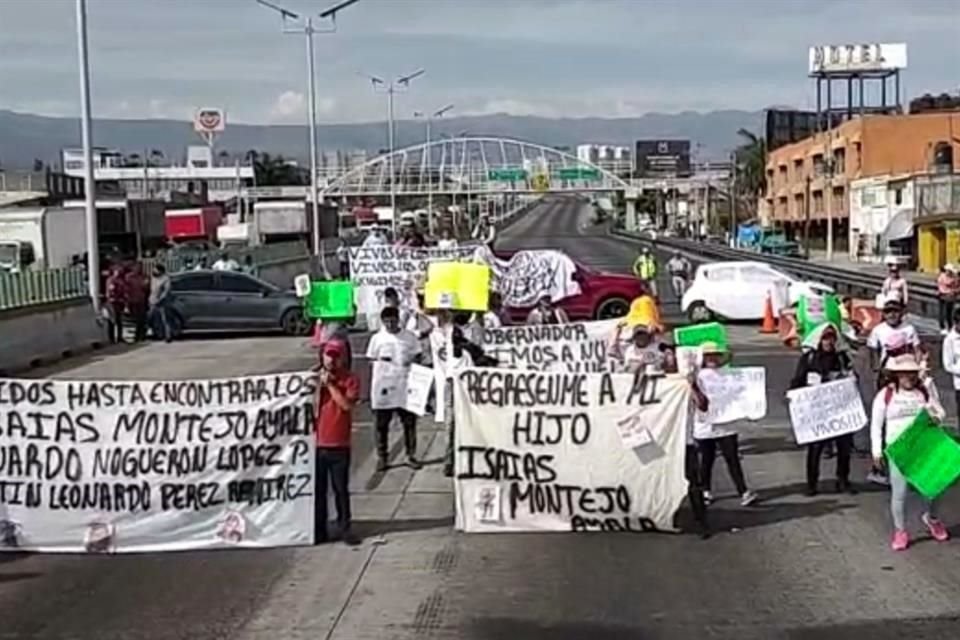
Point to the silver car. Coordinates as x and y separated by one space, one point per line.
232 301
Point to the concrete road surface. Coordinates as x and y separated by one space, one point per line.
790 567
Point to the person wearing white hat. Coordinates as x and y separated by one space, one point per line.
641 355
948 285
710 437
894 409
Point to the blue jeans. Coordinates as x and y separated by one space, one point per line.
159 321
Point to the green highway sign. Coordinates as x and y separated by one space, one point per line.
578 173
507 175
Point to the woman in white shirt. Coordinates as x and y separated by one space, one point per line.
894 409
711 437
642 355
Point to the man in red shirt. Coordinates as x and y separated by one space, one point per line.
337 394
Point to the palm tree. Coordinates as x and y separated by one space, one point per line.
750 159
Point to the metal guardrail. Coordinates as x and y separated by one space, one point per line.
923 295
44 286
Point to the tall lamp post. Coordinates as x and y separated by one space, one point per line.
89 185
429 117
390 88
303 25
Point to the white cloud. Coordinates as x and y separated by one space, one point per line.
290 106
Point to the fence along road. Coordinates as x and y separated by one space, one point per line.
795 567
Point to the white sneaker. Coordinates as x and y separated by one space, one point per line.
878 478
707 497
748 498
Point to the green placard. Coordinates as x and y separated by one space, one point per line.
812 312
695 335
330 300
926 456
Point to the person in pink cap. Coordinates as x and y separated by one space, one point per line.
894 409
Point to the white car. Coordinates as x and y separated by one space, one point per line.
738 291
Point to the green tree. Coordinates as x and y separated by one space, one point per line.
275 170
750 160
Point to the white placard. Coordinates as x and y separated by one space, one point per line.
301 285
121 466
735 393
826 410
374 268
419 383
573 347
550 442
689 359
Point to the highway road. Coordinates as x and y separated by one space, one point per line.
790 567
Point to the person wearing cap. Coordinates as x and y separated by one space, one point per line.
895 285
894 409
679 270
391 351
710 437
825 360
547 313
641 355
338 390
948 285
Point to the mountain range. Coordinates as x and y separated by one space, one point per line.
26 137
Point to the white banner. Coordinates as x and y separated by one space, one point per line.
123 466
544 451
823 411
374 268
573 347
529 275
735 393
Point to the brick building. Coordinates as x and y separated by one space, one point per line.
869 146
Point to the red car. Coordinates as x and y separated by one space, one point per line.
602 295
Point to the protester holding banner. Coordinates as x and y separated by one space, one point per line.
337 394
823 360
449 356
710 437
547 313
392 350
641 355
895 407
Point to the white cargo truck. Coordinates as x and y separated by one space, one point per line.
280 220
41 238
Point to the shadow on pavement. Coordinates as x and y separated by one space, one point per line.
6 578
768 444
504 628
373 528
766 513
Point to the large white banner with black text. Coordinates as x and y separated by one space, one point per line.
121 466
568 451
573 347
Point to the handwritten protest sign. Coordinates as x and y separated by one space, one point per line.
735 393
117 466
823 411
542 451
456 285
530 275
374 268
419 383
577 346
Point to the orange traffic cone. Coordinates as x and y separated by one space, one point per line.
769 322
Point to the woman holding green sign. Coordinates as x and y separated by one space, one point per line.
895 408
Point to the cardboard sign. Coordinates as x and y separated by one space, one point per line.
926 456
815 310
330 299
823 411
457 285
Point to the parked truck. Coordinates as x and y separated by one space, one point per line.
281 221
41 238
197 224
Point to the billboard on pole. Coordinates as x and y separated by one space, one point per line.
209 121
663 158
853 58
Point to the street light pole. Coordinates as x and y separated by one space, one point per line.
391 88
429 156
89 185
307 29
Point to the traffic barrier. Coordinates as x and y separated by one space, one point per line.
769 322
788 328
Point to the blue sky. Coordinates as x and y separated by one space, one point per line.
164 58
